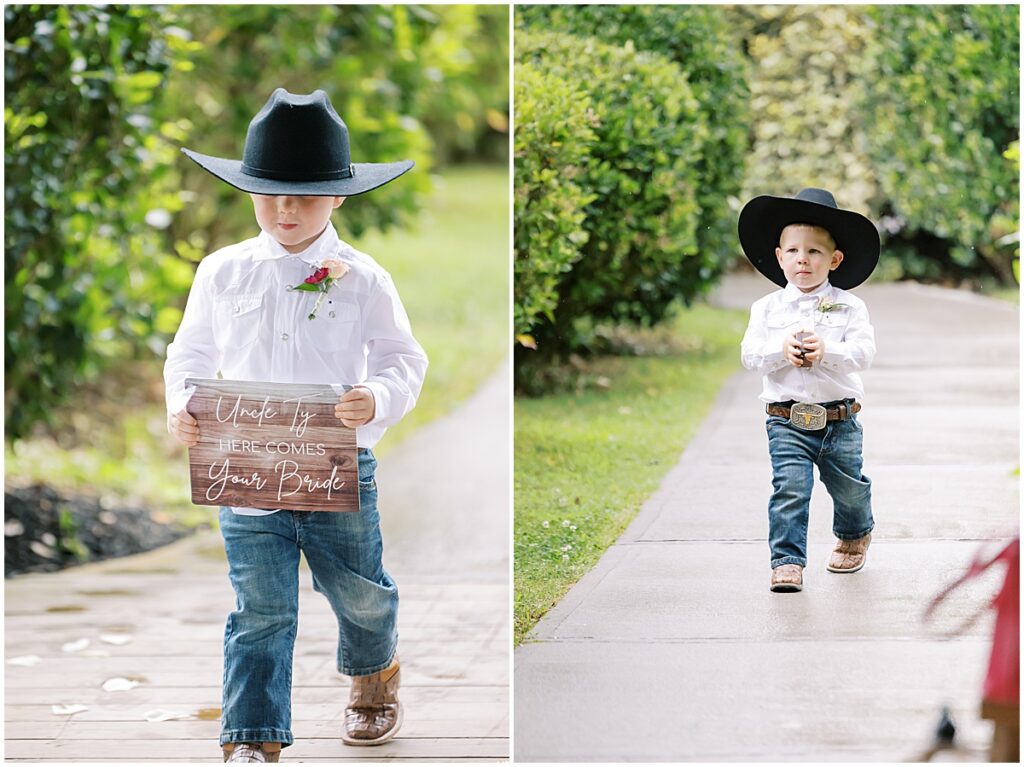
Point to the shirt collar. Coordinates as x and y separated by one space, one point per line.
323 247
791 293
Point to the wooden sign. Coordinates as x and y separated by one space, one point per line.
271 446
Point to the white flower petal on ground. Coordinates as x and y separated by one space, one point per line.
119 684
159 715
76 646
117 639
25 660
74 708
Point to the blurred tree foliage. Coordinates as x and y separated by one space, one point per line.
106 219
943 117
910 114
88 163
807 127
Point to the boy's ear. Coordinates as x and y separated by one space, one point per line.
837 259
778 255
338 201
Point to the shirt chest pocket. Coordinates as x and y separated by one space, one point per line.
780 321
335 328
832 323
237 319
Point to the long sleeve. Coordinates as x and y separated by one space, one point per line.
757 352
193 353
396 364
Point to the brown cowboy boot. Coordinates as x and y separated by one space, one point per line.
849 556
252 752
787 578
374 714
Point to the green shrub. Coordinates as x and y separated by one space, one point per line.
702 41
552 141
641 253
943 116
87 193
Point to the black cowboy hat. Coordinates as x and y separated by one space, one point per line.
763 219
299 145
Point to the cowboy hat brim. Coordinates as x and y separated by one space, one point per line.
763 219
365 177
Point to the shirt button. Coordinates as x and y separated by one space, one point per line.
330 314
237 308
284 336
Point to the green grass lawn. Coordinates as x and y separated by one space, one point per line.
453 275
584 463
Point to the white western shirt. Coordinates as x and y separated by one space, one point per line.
847 333
242 321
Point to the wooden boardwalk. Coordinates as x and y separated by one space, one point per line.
168 608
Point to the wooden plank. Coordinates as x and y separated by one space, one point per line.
322 748
462 722
209 696
271 446
456 702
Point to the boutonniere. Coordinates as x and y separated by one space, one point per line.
321 280
829 306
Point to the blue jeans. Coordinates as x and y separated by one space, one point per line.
837 452
343 550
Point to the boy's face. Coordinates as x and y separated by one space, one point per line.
294 221
807 254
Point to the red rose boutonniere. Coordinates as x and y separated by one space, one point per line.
321 280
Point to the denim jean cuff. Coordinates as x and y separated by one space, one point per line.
257 735
367 670
852 536
802 561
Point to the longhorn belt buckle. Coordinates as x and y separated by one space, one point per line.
807 416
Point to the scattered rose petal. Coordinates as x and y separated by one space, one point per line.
118 639
74 708
76 646
24 660
159 715
119 684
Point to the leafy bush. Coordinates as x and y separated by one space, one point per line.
641 253
943 117
702 41
808 125
552 142
908 113
87 191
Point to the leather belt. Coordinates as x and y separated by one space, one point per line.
840 412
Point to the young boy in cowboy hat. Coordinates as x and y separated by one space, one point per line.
244 320
808 341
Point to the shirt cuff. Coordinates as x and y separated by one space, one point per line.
381 399
835 356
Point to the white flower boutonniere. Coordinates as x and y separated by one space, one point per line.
824 307
321 280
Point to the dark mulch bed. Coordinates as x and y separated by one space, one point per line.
46 531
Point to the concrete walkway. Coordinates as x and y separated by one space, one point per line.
673 648
446 536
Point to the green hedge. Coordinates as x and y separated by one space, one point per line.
552 143
648 136
703 42
943 133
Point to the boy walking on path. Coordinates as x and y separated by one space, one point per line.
808 341
244 319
